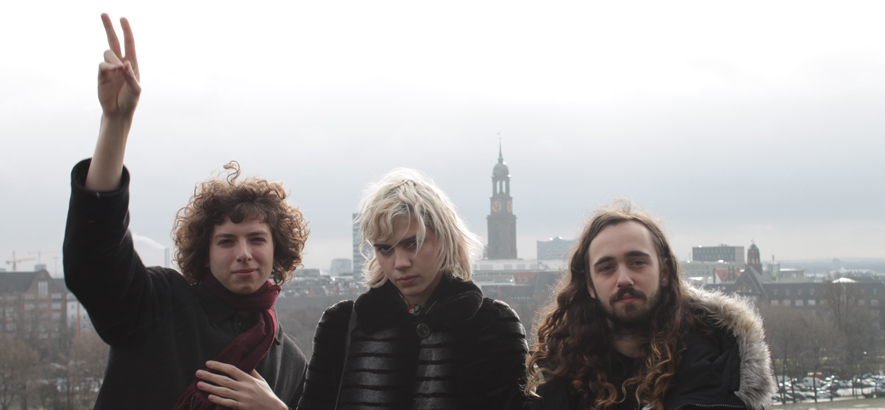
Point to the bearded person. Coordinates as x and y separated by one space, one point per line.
626 333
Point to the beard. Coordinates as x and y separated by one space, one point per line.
633 317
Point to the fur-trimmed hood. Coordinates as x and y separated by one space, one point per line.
739 317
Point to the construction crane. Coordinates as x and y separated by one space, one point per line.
14 262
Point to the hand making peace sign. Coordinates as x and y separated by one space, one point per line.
118 76
118 91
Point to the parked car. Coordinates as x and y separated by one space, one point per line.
875 392
784 398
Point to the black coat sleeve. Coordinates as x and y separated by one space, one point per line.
502 362
101 266
327 361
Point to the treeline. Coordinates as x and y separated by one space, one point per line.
840 338
50 374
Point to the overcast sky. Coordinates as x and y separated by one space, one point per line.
733 122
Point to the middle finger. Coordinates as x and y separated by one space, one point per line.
216 379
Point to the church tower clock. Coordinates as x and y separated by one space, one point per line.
502 221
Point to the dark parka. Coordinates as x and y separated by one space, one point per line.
160 328
464 352
728 369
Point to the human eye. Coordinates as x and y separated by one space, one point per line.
605 269
640 262
383 249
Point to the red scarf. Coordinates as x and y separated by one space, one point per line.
247 349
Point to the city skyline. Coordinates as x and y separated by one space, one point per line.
733 123
152 251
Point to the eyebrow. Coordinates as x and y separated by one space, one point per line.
250 234
631 254
409 239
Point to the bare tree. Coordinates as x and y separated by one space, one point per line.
823 346
786 337
300 324
18 365
81 370
846 307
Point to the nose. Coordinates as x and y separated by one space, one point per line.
243 252
624 278
402 259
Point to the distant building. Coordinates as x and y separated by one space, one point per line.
754 260
315 288
359 261
796 275
713 272
76 316
780 287
340 266
723 253
808 296
535 286
502 221
721 264
33 305
502 270
555 249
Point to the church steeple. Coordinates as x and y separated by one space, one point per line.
753 258
501 220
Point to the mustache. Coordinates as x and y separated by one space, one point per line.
623 292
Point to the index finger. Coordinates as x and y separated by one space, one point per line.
113 42
227 369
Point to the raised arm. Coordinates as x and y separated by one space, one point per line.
118 91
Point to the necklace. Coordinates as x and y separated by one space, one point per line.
414 309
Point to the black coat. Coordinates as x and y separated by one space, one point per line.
730 368
708 376
463 352
160 328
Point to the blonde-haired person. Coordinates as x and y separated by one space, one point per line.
423 336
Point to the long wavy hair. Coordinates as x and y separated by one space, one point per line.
409 194
575 335
216 200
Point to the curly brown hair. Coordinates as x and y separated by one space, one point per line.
575 336
218 199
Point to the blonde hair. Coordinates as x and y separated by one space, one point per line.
407 193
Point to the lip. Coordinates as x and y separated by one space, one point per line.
245 272
406 280
627 299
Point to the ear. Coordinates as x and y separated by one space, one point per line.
665 272
590 288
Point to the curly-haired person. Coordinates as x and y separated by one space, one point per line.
205 338
626 333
